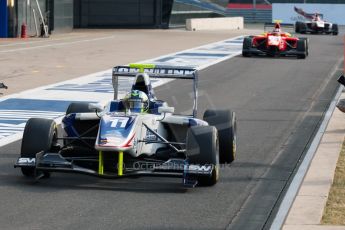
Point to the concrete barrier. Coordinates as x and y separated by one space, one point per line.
226 23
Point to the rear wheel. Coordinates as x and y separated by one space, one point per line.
302 49
302 28
39 135
82 126
297 27
202 149
247 44
78 107
225 122
335 29
306 45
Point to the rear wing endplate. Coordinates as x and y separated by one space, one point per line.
157 71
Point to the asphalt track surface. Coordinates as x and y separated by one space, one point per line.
279 104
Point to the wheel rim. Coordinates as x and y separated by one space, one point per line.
54 139
234 140
216 167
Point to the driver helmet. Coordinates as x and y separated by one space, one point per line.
136 101
277 28
317 16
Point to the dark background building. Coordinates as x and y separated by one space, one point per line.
57 14
64 15
122 13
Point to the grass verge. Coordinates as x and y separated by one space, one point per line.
334 213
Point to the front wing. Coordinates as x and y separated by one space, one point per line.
326 29
175 167
256 51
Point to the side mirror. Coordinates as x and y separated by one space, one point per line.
165 109
97 107
3 86
341 80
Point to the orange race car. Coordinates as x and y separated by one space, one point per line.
275 43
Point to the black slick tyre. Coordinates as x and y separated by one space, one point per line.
302 28
306 45
335 29
202 149
297 27
247 44
225 122
78 107
302 48
39 135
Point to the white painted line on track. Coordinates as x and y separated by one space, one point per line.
303 168
9 139
55 45
41 41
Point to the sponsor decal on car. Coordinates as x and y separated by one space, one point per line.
24 160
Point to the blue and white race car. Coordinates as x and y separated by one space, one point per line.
137 135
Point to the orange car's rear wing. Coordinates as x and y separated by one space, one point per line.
286 27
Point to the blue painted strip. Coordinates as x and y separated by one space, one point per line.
14 113
83 89
202 55
32 104
99 86
12 122
235 41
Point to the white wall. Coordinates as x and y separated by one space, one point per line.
334 13
223 23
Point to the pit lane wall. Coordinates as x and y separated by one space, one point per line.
224 23
333 13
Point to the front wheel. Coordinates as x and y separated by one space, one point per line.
202 149
302 28
39 135
306 45
225 122
247 44
335 29
302 48
297 27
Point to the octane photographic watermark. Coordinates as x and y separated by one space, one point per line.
172 166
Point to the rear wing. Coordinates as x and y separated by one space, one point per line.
284 26
309 16
157 71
